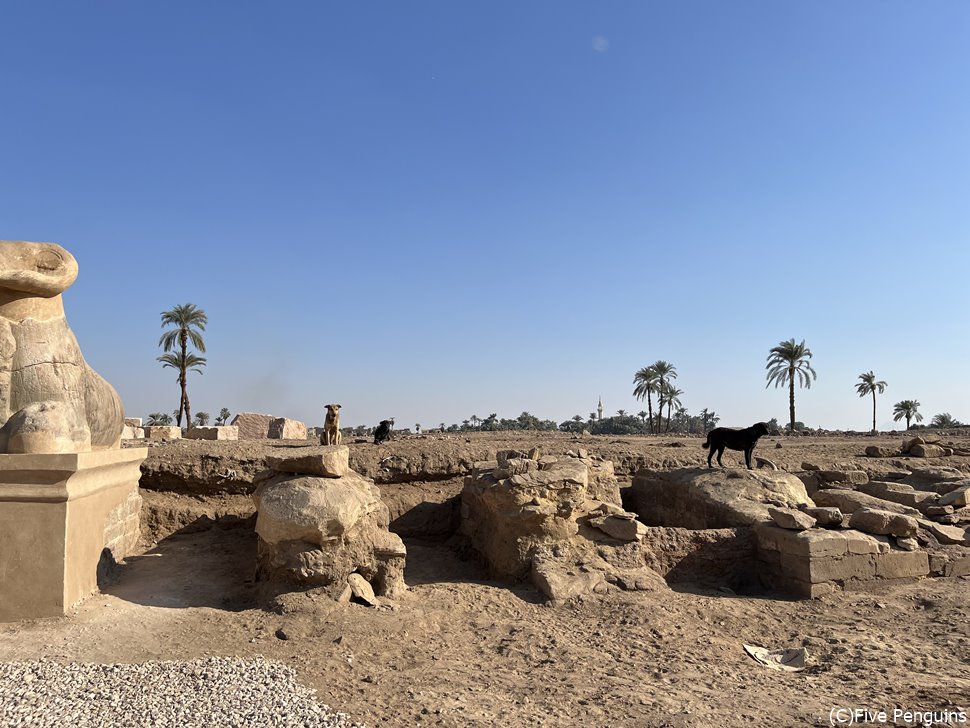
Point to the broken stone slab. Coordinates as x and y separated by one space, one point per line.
957 498
825 516
880 451
133 421
713 497
214 432
791 519
361 589
163 432
907 544
938 510
930 475
926 451
252 425
849 501
855 477
132 433
328 461
622 527
558 583
945 534
899 493
816 542
883 523
283 428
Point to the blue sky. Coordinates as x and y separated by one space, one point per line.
429 210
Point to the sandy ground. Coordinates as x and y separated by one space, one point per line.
459 650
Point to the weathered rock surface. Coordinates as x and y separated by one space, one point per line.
163 432
326 461
132 433
825 516
318 531
283 428
708 498
880 451
899 493
252 425
849 501
958 498
790 518
926 451
41 363
215 432
883 523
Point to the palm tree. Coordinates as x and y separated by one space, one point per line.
189 321
646 384
908 408
784 362
475 421
155 418
184 363
665 372
442 426
202 419
224 415
869 385
671 397
621 413
945 420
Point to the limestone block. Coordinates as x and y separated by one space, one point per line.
825 517
879 451
712 498
163 432
849 501
820 569
902 564
926 451
283 428
883 523
945 534
133 421
558 583
791 519
329 461
216 432
623 527
252 426
899 493
132 433
957 498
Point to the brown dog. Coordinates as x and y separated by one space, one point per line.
331 426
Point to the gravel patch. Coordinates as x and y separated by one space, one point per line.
215 691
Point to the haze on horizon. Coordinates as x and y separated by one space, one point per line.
432 211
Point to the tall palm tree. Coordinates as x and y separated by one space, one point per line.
224 415
908 408
475 420
784 362
665 372
189 321
671 398
646 384
183 363
621 413
869 385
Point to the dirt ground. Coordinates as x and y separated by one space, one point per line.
460 650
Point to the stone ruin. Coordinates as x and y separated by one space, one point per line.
68 494
255 426
556 521
320 524
922 446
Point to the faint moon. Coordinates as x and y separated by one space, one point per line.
600 44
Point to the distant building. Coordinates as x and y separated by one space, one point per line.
599 410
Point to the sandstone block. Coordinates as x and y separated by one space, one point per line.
899 493
926 451
624 528
791 519
133 421
252 425
217 432
329 461
826 517
883 523
132 433
879 451
907 544
902 564
163 432
283 428
849 501
957 498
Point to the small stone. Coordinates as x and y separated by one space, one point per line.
362 589
791 519
907 544
825 516
281 635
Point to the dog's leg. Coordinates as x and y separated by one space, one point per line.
720 451
747 457
710 454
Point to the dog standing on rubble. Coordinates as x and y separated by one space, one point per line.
331 426
725 437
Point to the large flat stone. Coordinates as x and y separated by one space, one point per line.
849 501
329 461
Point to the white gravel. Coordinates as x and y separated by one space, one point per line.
211 693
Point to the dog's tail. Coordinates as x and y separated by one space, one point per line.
706 442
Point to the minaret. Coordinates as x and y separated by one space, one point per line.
599 409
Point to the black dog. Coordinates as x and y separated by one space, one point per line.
383 431
725 437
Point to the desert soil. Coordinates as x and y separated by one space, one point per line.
461 650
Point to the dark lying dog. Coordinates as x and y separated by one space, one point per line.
725 437
383 431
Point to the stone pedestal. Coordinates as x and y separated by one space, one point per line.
58 513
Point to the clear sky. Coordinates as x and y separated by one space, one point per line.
429 210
